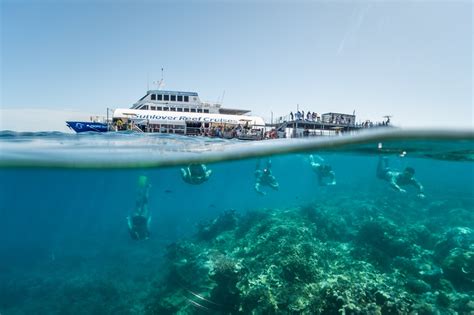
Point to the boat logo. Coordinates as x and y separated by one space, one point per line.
79 126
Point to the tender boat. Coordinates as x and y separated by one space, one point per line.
87 126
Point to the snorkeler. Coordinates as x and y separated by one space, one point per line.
324 171
396 178
139 220
195 174
264 177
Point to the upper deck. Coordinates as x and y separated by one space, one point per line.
178 101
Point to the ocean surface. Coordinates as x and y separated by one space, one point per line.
354 243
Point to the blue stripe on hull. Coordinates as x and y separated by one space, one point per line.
85 126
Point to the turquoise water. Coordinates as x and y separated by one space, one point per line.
220 247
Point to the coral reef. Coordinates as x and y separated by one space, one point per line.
360 255
321 259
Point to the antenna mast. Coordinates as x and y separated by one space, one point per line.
222 99
161 83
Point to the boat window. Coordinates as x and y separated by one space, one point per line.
166 97
153 108
186 98
199 110
159 108
173 98
186 110
206 111
160 97
153 97
166 108
193 110
180 98
144 107
179 109
173 109
142 98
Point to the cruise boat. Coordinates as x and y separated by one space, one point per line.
184 113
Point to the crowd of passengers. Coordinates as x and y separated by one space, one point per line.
338 119
313 116
229 132
370 124
310 116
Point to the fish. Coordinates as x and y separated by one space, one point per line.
196 304
202 298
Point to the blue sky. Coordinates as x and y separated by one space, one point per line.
409 59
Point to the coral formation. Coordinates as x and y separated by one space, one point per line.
321 259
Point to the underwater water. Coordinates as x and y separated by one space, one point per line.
360 246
